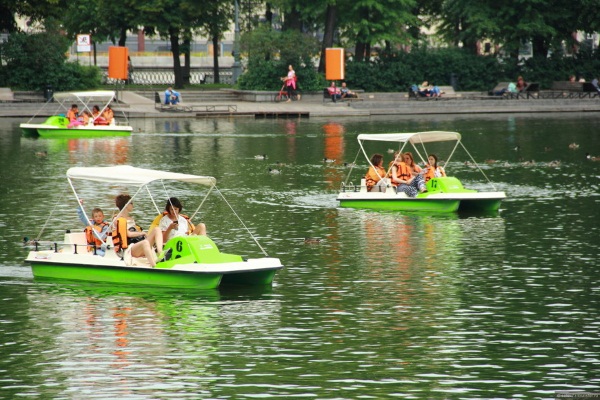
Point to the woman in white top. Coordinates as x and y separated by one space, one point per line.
290 83
173 224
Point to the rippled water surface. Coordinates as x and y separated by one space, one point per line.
386 305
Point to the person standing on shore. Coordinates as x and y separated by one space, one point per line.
290 83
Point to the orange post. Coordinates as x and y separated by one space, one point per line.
334 64
117 62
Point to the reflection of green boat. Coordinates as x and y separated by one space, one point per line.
189 261
57 126
444 194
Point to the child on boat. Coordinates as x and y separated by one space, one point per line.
96 230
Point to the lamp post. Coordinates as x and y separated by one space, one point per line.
237 66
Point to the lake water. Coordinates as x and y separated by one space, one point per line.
386 305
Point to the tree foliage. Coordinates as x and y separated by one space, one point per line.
269 53
291 30
33 61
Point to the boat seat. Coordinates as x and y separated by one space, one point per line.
363 185
75 238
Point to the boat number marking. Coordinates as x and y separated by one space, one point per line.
179 246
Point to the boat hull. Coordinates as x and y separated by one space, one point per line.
193 262
264 277
442 205
443 195
57 127
490 204
127 275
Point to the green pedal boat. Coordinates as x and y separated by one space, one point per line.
58 126
443 194
192 261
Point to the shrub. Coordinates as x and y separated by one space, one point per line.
32 61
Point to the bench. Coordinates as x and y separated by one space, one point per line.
590 90
499 87
570 90
446 93
215 108
531 91
327 96
159 104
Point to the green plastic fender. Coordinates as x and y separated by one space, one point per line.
194 249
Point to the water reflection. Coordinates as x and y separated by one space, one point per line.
118 341
386 304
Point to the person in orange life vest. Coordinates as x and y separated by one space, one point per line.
400 173
130 237
174 224
96 229
433 170
108 115
375 175
406 174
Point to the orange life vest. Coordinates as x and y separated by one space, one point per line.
374 175
431 173
403 171
120 239
91 238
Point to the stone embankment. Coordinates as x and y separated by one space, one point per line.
141 104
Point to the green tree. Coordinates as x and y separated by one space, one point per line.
34 10
371 22
32 61
214 21
269 52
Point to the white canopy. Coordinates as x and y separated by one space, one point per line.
128 175
414 138
105 95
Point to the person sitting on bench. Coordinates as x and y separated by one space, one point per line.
172 97
334 92
347 93
595 85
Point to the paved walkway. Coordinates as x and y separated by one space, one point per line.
137 106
